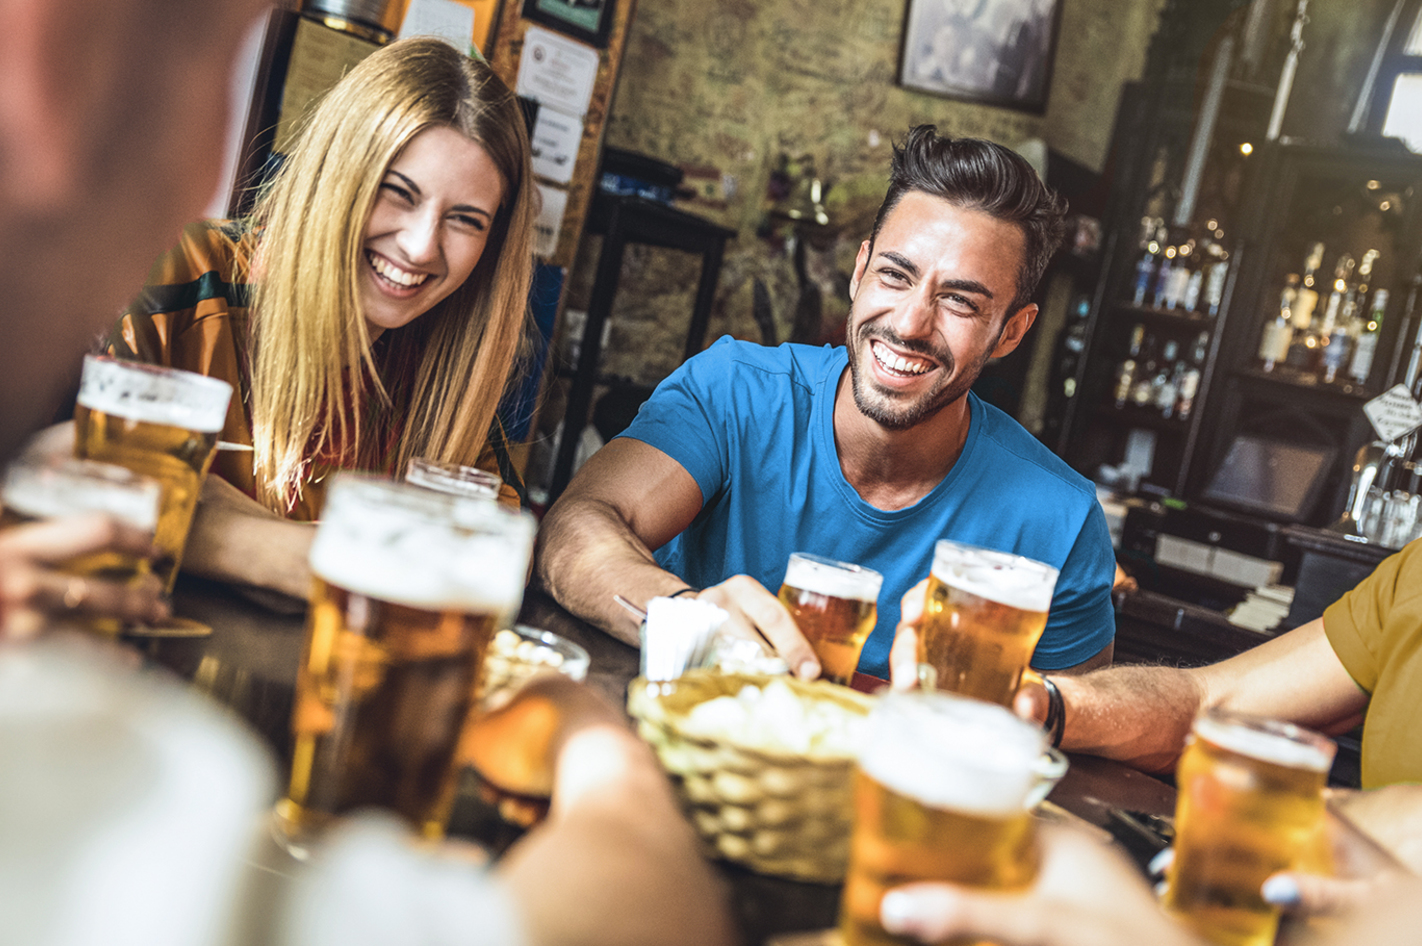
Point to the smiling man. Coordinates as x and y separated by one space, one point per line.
867 454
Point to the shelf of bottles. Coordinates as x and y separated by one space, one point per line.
1326 328
1176 293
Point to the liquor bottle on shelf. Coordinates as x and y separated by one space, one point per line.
1278 333
1367 345
1189 384
1163 387
1150 248
1126 373
1307 300
1142 393
1338 347
1332 331
1218 260
1181 273
1163 276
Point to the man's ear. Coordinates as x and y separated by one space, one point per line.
1013 331
53 57
861 262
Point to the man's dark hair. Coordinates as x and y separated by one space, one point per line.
980 175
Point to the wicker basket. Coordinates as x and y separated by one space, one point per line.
777 813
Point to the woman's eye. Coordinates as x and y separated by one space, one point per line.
474 223
397 190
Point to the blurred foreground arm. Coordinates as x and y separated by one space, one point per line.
597 540
236 539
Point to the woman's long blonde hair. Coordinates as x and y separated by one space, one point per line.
316 386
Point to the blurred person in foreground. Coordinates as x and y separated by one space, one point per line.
128 803
868 453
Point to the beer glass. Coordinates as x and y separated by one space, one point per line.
453 478
835 605
409 586
159 422
942 793
984 613
35 490
1249 804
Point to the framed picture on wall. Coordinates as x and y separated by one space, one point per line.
997 52
587 20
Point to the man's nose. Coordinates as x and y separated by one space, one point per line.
914 317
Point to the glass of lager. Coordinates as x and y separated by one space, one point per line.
35 490
453 478
160 422
409 587
942 792
983 616
835 605
1249 804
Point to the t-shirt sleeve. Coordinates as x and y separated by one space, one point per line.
370 886
1081 622
686 419
1355 623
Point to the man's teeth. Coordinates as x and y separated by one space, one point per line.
395 274
892 361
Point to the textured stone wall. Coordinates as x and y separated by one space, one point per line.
731 87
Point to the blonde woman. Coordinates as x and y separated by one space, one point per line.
371 311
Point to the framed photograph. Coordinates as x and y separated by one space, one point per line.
996 52
587 20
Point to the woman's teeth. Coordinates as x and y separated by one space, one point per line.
394 273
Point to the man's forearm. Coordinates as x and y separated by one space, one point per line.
1136 715
586 553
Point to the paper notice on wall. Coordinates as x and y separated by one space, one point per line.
1394 413
550 220
450 20
556 71
556 137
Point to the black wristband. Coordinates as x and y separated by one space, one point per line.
684 591
1055 723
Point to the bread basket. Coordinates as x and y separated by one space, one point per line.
778 813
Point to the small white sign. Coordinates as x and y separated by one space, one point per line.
556 137
1394 413
450 20
550 220
557 71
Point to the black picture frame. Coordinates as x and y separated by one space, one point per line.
587 20
992 52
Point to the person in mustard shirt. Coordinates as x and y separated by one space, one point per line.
354 340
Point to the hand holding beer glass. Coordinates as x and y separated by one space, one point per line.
984 613
835 605
943 793
1249 804
36 490
409 587
159 422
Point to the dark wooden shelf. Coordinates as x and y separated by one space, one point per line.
1172 318
1135 415
1287 377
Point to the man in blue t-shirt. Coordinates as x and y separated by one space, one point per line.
866 454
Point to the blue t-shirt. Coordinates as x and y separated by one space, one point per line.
754 426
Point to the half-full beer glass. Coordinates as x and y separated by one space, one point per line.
35 490
453 479
159 422
409 587
835 605
1249 804
943 792
983 616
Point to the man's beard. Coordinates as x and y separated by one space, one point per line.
889 410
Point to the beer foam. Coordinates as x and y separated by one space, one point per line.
154 395
1280 744
410 546
1002 577
823 577
79 487
951 752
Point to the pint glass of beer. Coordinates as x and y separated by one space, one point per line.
409 587
835 605
984 614
159 422
453 479
942 792
35 490
1249 804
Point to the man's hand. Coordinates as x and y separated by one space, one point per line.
903 655
34 593
758 615
1086 895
